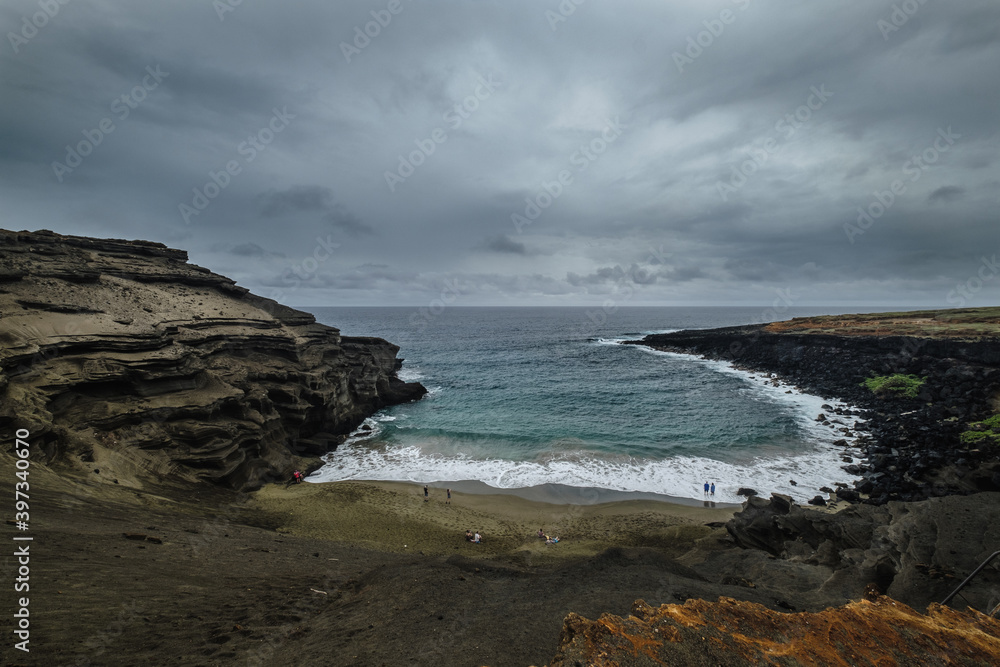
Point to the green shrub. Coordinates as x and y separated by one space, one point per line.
894 385
986 432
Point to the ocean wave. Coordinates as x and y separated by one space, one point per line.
410 374
680 477
805 407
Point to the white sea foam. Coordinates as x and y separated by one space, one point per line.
409 374
363 457
681 477
806 406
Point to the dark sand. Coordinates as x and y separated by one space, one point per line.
336 574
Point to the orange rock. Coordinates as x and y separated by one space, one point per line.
879 632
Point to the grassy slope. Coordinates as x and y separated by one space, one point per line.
959 323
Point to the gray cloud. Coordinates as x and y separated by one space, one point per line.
503 244
946 193
295 199
742 115
311 199
248 250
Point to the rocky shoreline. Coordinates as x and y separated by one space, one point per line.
912 450
130 364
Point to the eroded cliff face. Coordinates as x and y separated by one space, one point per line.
878 631
915 552
123 359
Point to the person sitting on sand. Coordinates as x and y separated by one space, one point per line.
468 536
541 534
478 539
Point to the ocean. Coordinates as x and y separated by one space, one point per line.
525 397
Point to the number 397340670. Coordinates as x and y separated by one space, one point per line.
22 464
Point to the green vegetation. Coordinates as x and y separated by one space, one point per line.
894 385
986 432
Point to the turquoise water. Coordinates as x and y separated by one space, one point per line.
526 396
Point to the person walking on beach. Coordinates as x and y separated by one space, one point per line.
425 493
712 492
448 501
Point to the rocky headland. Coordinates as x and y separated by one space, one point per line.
914 448
127 362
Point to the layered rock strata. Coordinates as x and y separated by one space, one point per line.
123 359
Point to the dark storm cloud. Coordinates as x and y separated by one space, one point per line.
946 193
248 250
792 146
311 199
504 244
299 198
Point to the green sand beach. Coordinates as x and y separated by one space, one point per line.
393 517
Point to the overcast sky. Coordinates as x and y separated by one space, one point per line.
511 152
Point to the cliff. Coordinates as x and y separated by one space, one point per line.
127 362
877 631
916 552
915 450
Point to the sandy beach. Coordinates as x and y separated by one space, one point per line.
393 517
348 573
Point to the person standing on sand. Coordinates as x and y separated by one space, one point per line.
448 501
425 493
712 492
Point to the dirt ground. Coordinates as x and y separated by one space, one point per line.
334 574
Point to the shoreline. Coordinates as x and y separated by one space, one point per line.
550 494
913 448
393 517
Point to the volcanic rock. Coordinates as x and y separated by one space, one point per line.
744 634
124 354
954 353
